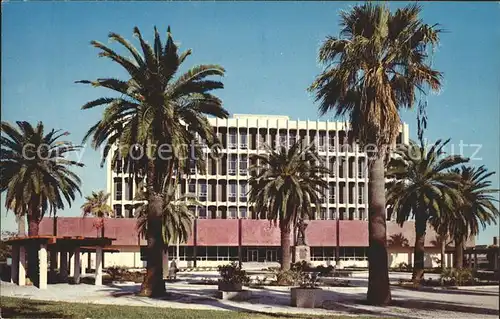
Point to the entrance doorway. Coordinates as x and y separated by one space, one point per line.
271 255
253 255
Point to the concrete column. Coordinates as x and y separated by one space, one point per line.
475 260
165 263
53 263
63 262
76 265
83 264
14 267
71 259
98 266
42 261
21 281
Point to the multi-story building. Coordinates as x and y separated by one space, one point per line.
226 227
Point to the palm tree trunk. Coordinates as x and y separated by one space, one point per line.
33 230
419 250
443 253
459 253
285 246
153 284
21 225
379 292
165 264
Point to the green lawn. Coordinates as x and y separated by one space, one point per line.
28 308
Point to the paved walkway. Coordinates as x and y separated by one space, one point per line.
481 303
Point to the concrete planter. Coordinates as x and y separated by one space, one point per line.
306 297
228 286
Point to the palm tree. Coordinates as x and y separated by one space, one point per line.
422 188
155 117
440 225
36 174
372 70
97 205
398 240
477 209
287 183
177 219
20 213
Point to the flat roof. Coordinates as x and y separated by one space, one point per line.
60 240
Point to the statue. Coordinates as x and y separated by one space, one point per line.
301 234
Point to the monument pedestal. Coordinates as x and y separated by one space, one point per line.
302 253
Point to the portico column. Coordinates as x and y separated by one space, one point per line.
71 259
475 260
42 261
98 266
14 267
21 281
76 266
63 265
53 262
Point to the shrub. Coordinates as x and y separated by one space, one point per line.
308 281
116 272
458 277
233 274
300 266
288 277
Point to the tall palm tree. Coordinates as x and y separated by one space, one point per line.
440 225
97 205
288 183
421 187
477 210
374 68
36 175
155 117
177 219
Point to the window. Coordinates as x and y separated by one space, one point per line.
291 140
128 188
232 212
322 140
202 212
331 145
331 166
202 196
232 192
243 192
243 140
262 141
118 188
118 166
232 140
282 139
243 212
243 165
232 165
361 169
118 210
192 188
361 194
331 213
322 213
331 194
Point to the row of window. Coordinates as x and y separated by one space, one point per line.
257 254
235 164
233 191
233 212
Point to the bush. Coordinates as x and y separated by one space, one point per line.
457 277
288 277
117 273
301 266
233 274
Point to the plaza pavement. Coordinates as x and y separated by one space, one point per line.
457 304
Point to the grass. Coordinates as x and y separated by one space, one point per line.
29 308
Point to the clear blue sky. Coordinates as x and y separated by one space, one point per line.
268 49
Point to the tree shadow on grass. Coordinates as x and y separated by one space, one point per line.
30 309
450 291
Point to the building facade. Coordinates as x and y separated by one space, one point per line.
226 228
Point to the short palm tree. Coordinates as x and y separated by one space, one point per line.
177 219
96 205
421 187
440 225
155 116
36 175
477 210
288 183
374 68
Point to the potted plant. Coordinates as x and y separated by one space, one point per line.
308 294
232 277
